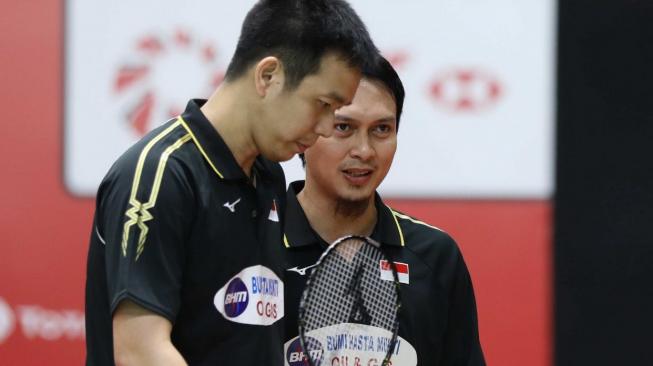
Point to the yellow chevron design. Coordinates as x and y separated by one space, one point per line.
138 213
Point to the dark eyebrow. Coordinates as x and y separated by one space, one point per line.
340 117
386 119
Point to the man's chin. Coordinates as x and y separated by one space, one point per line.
278 156
286 157
356 194
352 205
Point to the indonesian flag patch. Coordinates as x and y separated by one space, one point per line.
386 271
274 215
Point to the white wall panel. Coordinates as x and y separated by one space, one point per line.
478 120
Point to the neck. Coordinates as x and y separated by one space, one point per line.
230 114
332 219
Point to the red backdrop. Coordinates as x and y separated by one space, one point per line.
44 231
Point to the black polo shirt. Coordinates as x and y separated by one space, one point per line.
182 231
438 322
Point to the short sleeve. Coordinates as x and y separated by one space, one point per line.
145 217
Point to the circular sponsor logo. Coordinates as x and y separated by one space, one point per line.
295 355
6 320
236 298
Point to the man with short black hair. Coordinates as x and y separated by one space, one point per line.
438 322
184 259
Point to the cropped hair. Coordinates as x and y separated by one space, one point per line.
380 70
300 33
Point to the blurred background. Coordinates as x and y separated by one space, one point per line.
526 135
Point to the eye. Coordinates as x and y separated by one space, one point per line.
383 129
342 127
323 104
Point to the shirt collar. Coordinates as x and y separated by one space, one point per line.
210 143
298 231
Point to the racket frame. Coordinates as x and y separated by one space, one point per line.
318 266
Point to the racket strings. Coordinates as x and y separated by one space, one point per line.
347 285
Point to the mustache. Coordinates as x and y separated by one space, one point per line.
358 166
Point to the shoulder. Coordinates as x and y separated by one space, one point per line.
162 159
429 242
414 229
154 148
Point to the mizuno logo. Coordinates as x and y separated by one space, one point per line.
301 271
232 206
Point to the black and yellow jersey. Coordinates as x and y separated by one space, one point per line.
182 231
438 319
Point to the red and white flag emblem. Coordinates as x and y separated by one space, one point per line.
274 215
386 271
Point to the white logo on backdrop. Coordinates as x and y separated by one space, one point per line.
51 325
6 320
39 323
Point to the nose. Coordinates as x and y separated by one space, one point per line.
362 149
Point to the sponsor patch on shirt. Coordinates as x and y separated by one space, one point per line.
295 353
253 296
349 344
402 271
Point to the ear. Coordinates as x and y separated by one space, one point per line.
268 75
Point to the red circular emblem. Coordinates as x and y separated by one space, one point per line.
465 90
160 68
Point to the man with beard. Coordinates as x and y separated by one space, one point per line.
438 321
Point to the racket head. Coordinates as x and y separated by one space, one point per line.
346 296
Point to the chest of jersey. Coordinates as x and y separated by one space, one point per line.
233 291
423 318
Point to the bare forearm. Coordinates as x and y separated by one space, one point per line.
142 338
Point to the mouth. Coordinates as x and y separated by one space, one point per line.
357 172
357 176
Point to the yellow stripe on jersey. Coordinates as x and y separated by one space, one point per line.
138 213
197 143
401 233
406 217
285 241
155 192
